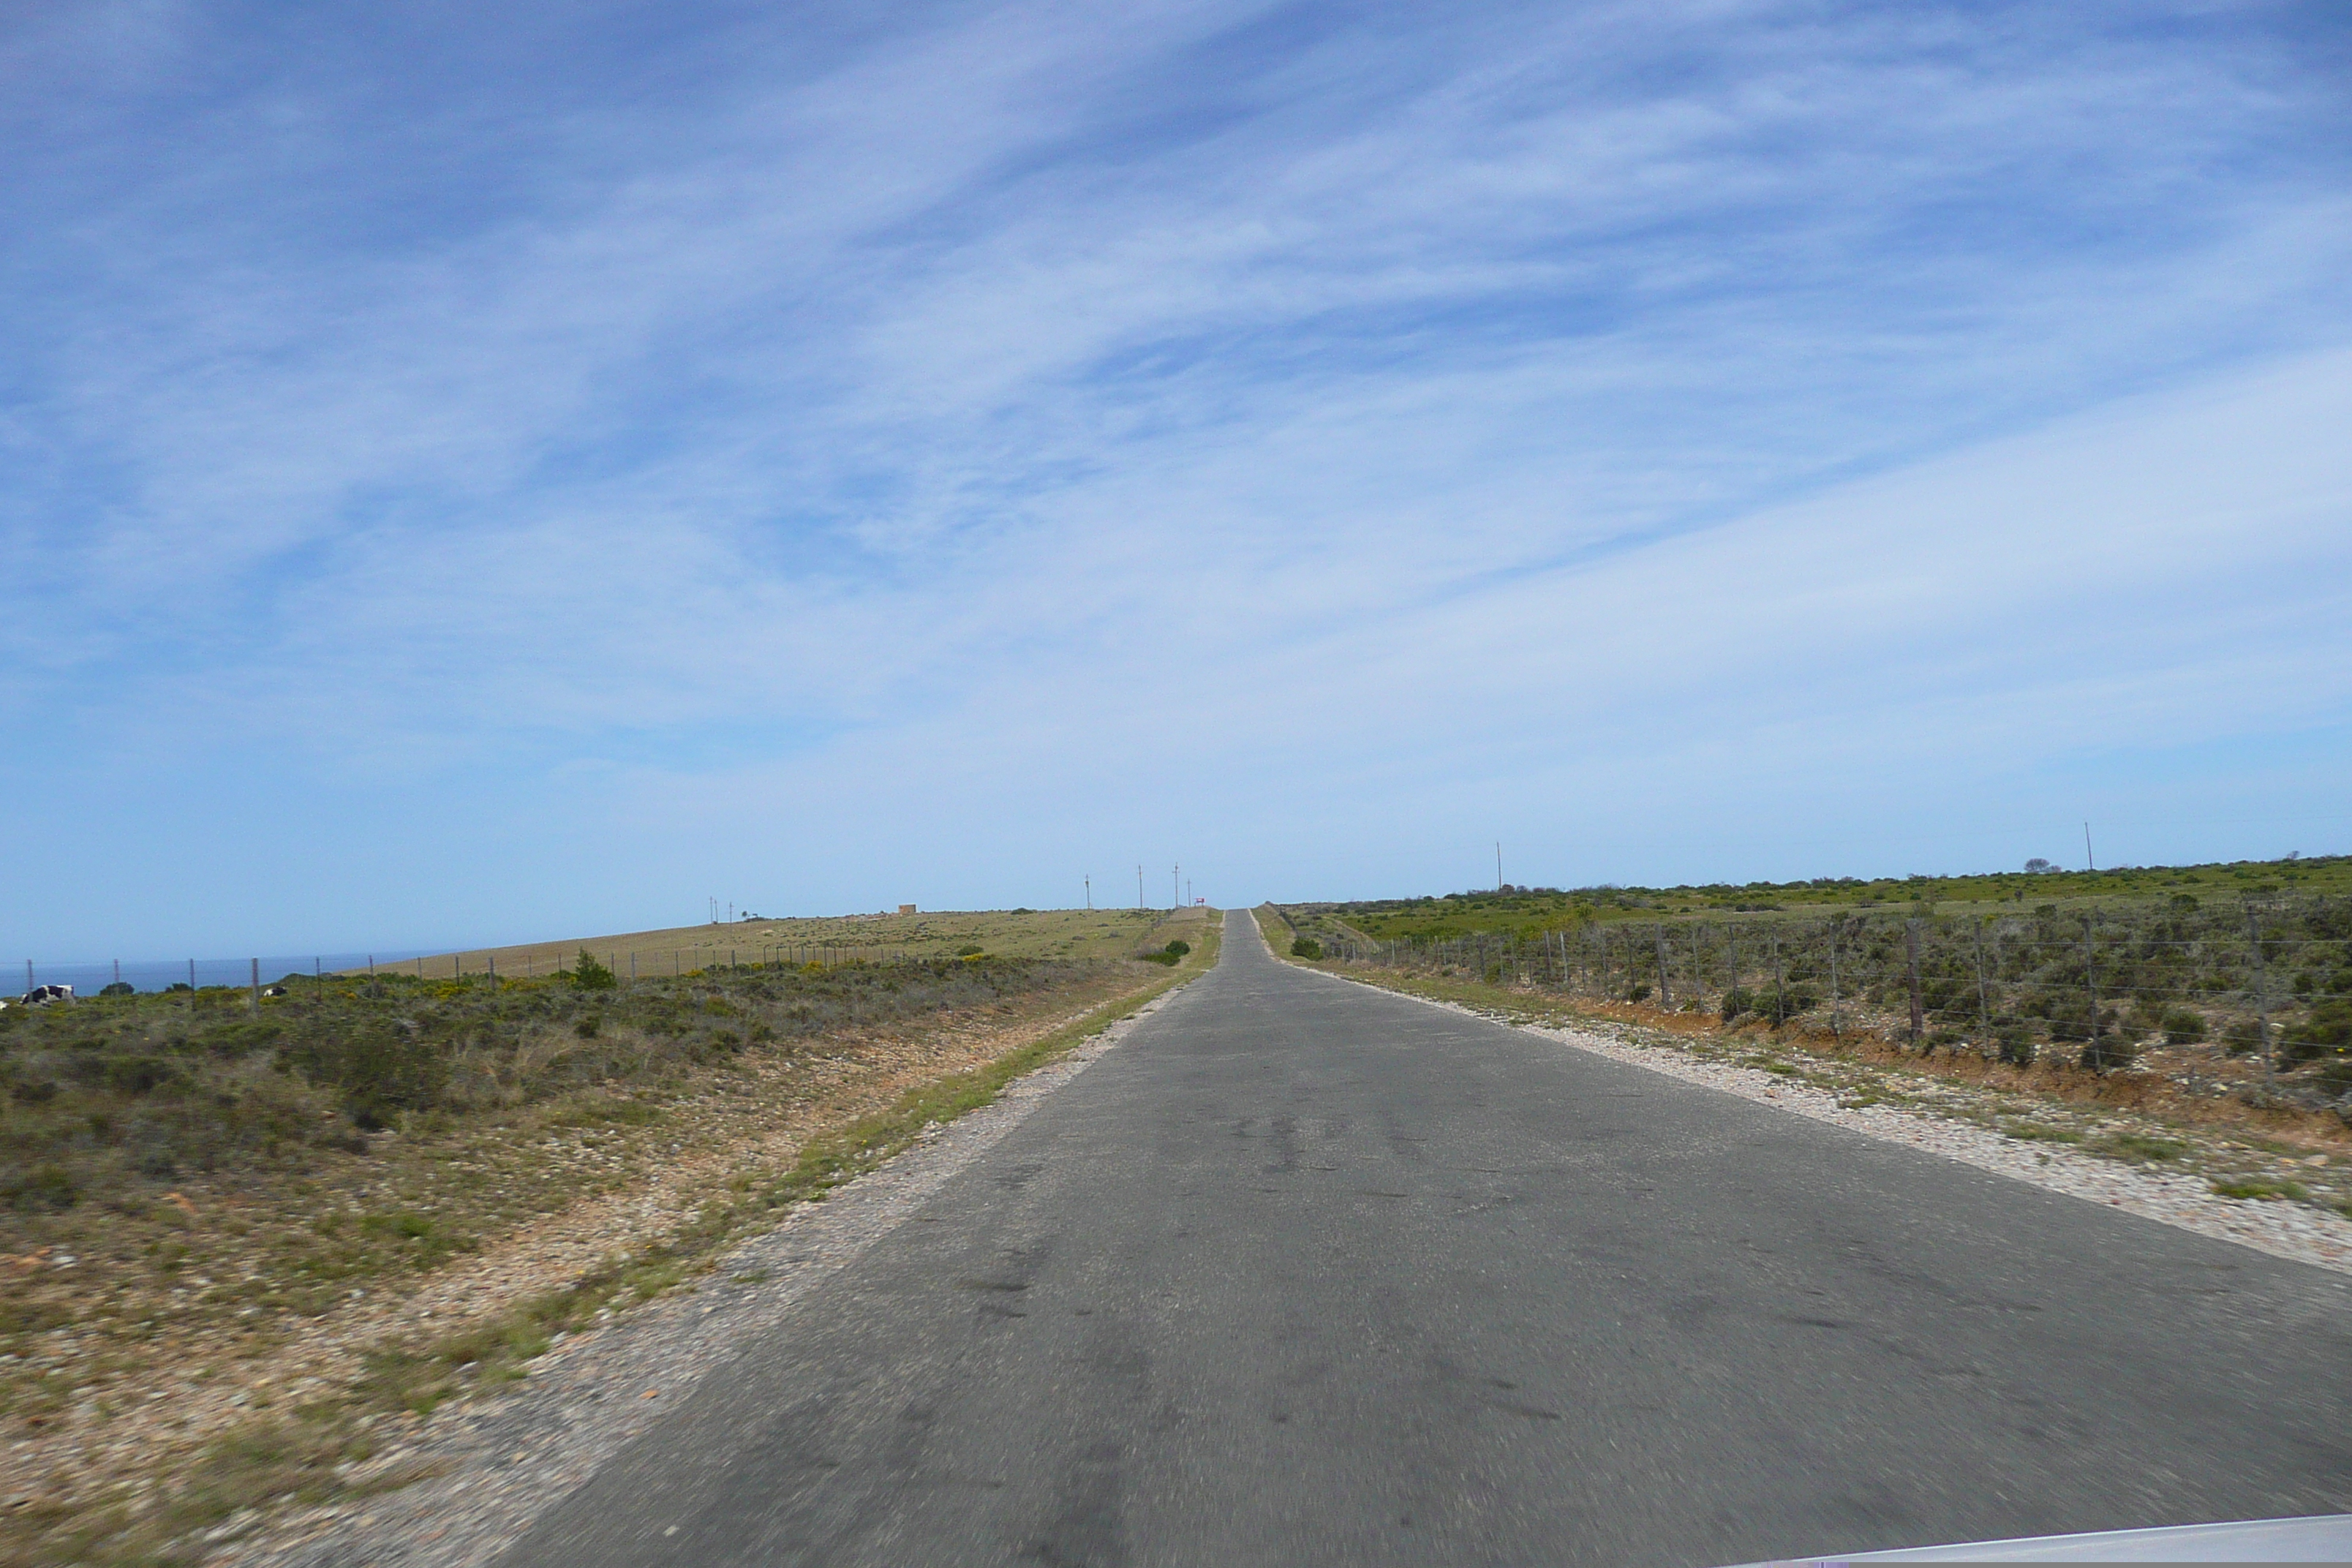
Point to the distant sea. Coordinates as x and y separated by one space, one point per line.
158 975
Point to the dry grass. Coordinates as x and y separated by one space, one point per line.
1009 933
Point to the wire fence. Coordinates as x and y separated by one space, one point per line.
2271 978
116 976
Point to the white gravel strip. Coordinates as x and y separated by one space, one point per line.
2283 1229
509 1458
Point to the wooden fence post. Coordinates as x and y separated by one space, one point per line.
1837 1028
1911 950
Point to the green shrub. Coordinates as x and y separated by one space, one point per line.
136 1075
1178 947
2182 1026
41 1187
2260 1187
1306 947
2108 1053
2327 1031
2138 1146
241 1038
1639 991
1738 1001
590 975
380 1071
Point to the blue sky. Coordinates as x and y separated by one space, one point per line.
470 476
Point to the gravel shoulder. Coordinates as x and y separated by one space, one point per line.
2104 1157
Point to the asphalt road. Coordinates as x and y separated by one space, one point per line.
1303 1274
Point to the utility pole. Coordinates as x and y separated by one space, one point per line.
2088 859
1090 891
1139 886
1176 886
1499 865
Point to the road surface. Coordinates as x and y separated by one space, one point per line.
1307 1273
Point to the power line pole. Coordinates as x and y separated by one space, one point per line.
1175 887
1499 865
1090 891
1139 886
2088 859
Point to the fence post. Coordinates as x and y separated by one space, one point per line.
1837 1028
1665 990
1984 1007
1911 950
2091 989
1779 981
1731 938
2262 1001
256 988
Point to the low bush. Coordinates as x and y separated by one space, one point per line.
2108 1053
2327 1031
2259 1187
1306 947
125 1090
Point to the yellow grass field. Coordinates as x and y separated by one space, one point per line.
1026 934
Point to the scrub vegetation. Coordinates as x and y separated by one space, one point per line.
2213 1005
2242 988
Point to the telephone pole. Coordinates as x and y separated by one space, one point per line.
1090 892
1139 886
2089 859
1499 865
1176 886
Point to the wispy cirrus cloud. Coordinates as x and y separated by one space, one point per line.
616 409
